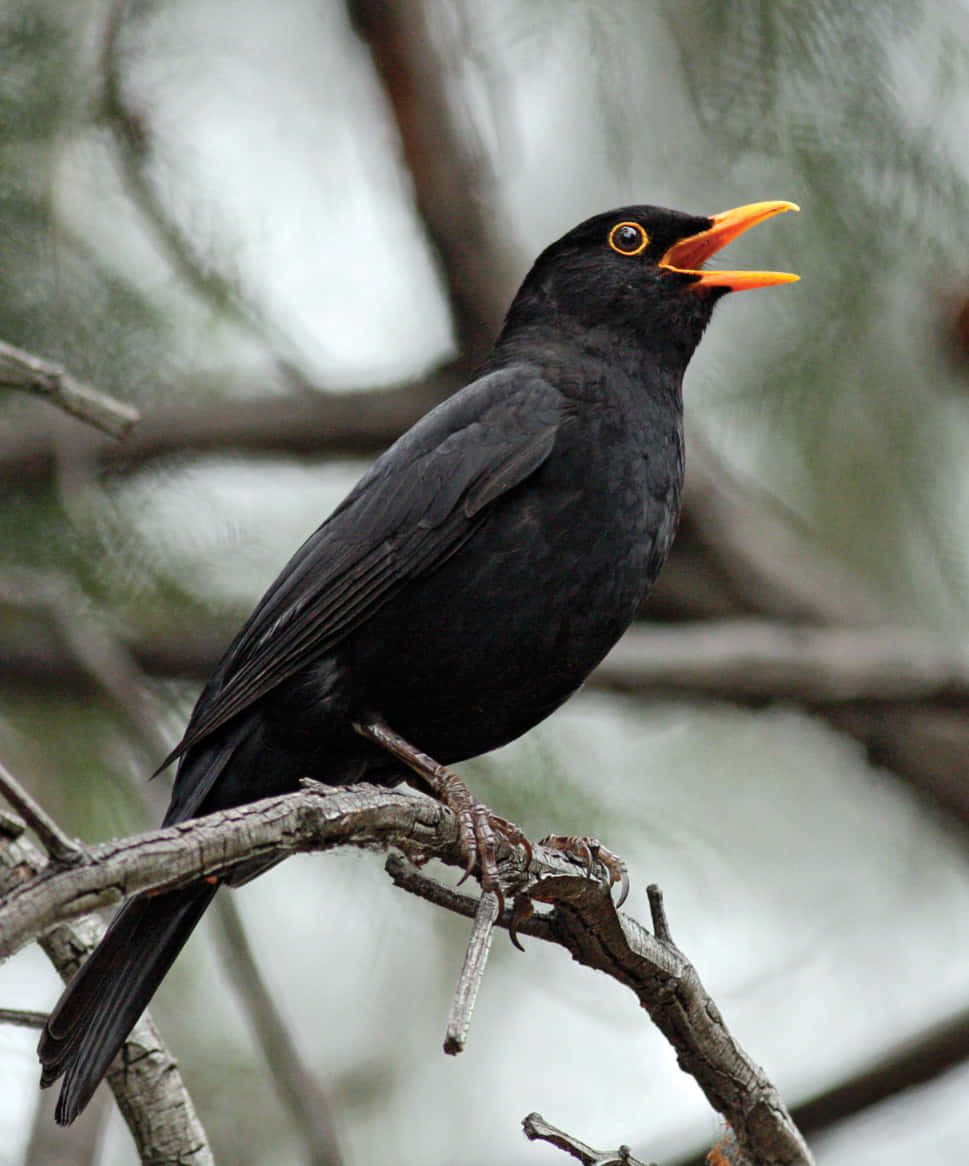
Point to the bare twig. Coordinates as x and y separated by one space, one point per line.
657 910
407 876
538 1129
23 1018
60 846
584 920
32 374
144 1077
472 973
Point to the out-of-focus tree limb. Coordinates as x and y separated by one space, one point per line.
304 425
735 552
144 1077
916 1061
903 695
761 660
23 1017
133 135
584 919
32 374
453 182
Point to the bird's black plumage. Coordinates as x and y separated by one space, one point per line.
461 592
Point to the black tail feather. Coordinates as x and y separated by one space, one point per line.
112 989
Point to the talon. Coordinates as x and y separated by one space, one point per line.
623 888
589 851
575 847
521 910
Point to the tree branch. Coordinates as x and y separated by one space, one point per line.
584 920
305 425
62 848
31 374
452 176
23 1017
144 1077
536 1128
759 659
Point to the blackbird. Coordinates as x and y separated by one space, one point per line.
461 592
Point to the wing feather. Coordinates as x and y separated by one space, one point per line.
416 506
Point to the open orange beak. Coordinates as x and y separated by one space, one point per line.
687 256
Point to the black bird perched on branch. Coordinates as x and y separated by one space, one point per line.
461 592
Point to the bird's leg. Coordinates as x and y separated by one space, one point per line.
477 825
590 851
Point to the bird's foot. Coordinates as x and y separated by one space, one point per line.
590 851
478 827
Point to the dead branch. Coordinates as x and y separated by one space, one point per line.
32 374
583 920
536 1128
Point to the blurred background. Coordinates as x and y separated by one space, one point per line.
282 232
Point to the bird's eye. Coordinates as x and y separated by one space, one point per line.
628 238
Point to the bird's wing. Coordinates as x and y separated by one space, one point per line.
418 503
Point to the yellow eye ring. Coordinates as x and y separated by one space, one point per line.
628 239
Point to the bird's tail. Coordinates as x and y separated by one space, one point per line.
101 1004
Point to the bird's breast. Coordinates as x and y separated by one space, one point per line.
511 624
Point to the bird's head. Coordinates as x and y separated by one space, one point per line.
639 270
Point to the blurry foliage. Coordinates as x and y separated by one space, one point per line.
864 105
59 298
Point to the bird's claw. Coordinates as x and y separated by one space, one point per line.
521 910
478 828
589 851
